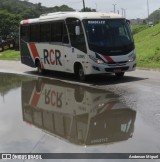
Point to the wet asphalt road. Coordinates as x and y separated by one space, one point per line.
131 106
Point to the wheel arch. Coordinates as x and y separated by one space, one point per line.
36 61
77 64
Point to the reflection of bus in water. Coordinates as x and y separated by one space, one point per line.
78 114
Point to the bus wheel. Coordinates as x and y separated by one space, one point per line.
39 68
119 75
81 74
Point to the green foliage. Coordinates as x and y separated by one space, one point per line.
10 55
9 23
88 10
13 11
155 17
138 28
29 10
59 8
148 47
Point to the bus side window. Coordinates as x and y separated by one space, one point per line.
35 33
45 32
24 33
57 32
77 41
65 34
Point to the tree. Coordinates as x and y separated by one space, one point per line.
13 11
9 23
155 16
88 10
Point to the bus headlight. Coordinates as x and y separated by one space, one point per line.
98 61
101 105
131 58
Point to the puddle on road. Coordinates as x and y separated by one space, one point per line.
81 115
43 115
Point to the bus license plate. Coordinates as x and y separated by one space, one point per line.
117 70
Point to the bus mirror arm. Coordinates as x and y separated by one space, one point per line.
128 21
77 30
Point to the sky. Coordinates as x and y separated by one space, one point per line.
134 8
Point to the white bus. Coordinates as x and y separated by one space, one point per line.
82 43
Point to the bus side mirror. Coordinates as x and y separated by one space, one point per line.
77 30
128 21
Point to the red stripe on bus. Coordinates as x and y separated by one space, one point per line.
110 106
25 21
36 97
109 59
35 52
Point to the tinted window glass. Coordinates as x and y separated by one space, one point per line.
65 34
110 37
77 41
45 32
57 32
24 33
34 33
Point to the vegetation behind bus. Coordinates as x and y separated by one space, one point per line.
13 11
147 44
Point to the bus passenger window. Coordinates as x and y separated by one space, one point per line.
65 34
34 33
24 33
57 32
45 32
77 41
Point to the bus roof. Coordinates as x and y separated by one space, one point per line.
79 15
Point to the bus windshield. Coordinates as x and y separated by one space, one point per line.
109 36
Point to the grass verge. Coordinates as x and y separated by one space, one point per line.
10 55
147 44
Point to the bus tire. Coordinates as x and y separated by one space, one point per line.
119 75
80 73
39 67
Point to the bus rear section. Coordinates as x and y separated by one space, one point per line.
80 43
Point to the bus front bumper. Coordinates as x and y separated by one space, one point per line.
104 68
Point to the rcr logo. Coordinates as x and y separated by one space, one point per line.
53 98
52 57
